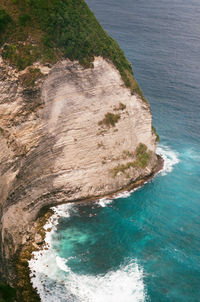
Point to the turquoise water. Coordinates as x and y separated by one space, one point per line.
143 246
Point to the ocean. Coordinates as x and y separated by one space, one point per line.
142 245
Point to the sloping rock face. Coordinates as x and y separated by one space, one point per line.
64 139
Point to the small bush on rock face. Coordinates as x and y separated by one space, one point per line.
4 20
127 154
30 77
122 168
143 160
156 133
110 119
7 293
143 156
1 131
141 149
120 107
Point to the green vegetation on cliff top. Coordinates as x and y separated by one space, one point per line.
49 30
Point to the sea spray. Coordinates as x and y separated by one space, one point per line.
124 284
43 263
103 202
171 158
54 279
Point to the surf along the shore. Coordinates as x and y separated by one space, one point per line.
52 274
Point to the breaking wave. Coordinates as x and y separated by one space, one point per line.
56 282
171 158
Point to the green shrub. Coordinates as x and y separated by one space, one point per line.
7 293
24 19
143 160
110 119
62 28
5 19
143 157
122 168
21 55
156 133
141 149
29 78
120 107
127 154
1 131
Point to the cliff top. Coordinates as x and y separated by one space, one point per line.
47 31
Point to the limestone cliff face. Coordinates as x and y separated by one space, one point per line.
58 144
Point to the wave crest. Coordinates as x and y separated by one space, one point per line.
171 158
61 285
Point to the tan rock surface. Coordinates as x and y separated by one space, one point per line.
53 148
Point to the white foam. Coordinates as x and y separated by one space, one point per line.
55 282
171 158
61 263
125 284
43 262
59 211
49 271
103 202
124 194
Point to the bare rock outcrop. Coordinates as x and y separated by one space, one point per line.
67 134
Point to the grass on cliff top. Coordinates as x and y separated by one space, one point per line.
54 29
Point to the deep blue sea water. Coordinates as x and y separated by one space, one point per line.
143 246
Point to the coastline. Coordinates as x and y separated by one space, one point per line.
23 284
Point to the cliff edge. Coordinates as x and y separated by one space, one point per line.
69 130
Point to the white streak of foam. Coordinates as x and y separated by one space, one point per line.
59 211
171 158
123 194
103 202
55 282
126 194
125 284
43 263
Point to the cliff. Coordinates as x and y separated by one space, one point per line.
69 130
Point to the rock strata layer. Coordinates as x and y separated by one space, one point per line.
69 135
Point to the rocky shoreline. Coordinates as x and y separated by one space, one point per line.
36 242
74 124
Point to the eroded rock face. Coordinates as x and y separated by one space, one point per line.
62 139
